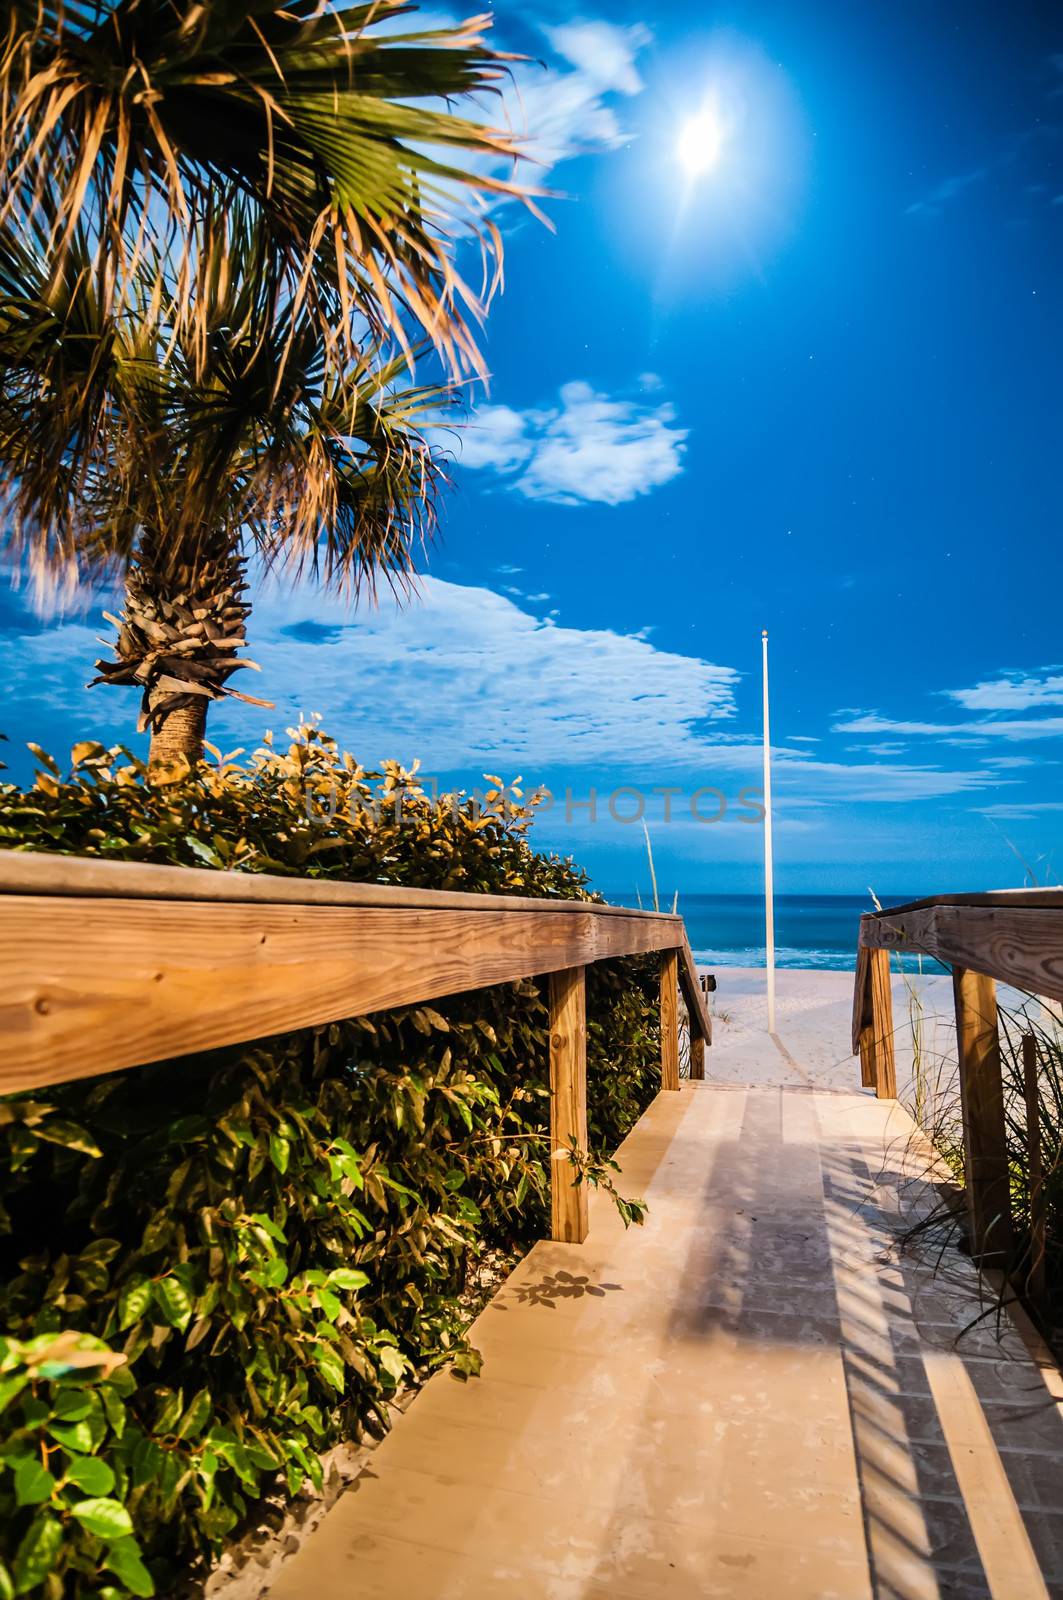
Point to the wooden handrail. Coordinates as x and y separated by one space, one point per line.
40 872
108 965
1013 937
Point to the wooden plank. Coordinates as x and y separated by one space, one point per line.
868 1069
670 1020
1035 1281
697 1057
95 985
880 1043
568 1102
861 996
982 1103
697 1008
1021 946
35 872
1046 898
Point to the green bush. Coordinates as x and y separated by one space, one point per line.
270 1238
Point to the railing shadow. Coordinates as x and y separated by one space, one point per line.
813 1262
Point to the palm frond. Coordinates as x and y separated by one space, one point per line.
206 411
337 128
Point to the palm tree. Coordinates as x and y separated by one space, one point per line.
328 116
226 229
193 431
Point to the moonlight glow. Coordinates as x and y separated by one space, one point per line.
700 142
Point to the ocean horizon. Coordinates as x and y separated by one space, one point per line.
811 930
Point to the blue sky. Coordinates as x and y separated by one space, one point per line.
819 391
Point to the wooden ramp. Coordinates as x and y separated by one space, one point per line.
755 1395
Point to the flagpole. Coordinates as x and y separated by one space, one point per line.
769 875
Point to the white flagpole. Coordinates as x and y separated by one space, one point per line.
769 876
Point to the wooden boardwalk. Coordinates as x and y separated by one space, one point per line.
756 1395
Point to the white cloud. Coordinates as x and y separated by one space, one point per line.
564 113
566 106
1012 691
466 681
967 732
589 447
604 53
464 678
1020 810
495 438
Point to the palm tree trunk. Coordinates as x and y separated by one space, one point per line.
179 732
184 620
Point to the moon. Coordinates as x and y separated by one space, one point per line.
700 143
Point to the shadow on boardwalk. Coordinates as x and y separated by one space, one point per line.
756 1395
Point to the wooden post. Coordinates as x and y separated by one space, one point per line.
883 1062
862 1037
697 1055
568 1101
868 1079
1035 1276
670 1020
982 1101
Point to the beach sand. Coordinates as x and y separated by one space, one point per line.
812 1044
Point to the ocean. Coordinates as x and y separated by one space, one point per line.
811 930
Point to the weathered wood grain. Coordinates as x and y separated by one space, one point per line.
1047 898
1018 945
861 996
37 872
697 1057
982 1103
693 994
873 1022
92 985
882 1063
568 1102
670 1020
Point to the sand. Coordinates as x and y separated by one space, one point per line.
812 1045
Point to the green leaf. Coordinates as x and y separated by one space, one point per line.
174 1302
107 1519
392 1361
268 1226
123 1559
33 1482
76 1436
467 1364
7 1587
274 1274
348 1278
134 1298
330 1365
11 1387
69 1134
279 1151
115 1410
196 1417
330 1303
71 1405
37 1552
90 1474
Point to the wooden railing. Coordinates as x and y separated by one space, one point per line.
107 965
1013 937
